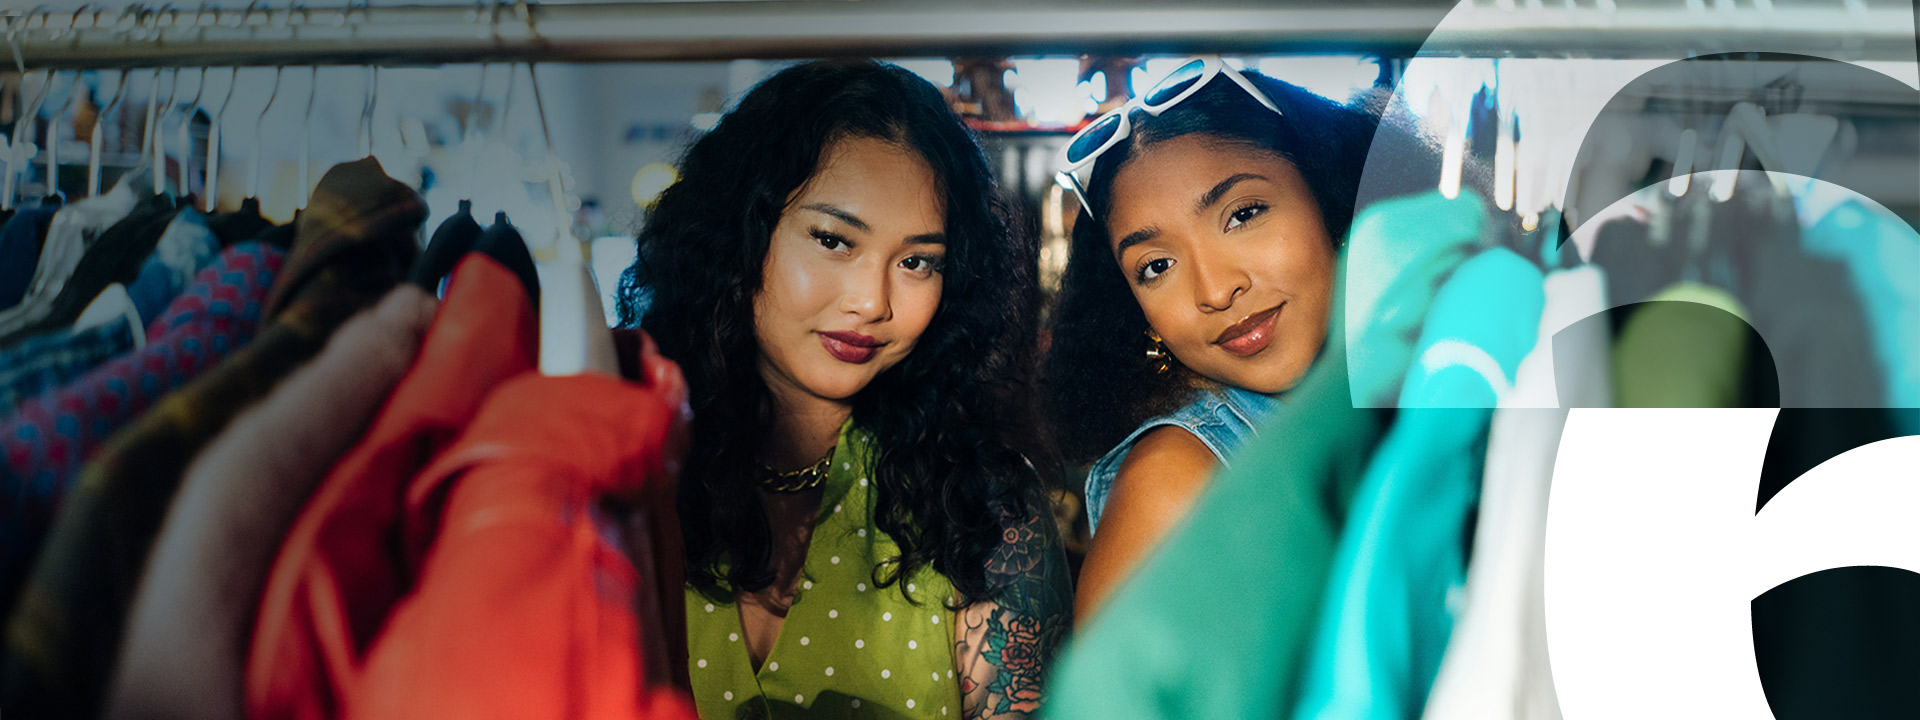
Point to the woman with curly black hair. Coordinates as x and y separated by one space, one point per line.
1198 287
865 530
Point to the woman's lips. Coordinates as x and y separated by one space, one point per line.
850 347
1251 335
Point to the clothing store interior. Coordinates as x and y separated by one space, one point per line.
1131 359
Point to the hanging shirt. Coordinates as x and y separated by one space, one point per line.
187 246
354 244
1223 419
335 577
20 243
240 225
1496 658
69 235
847 649
114 257
45 441
1385 622
523 595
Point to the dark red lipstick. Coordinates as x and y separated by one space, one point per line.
850 347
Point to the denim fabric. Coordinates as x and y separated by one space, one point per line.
1223 420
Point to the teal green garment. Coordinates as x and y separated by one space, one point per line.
1214 623
1384 625
1400 252
1882 254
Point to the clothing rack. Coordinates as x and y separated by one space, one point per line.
265 34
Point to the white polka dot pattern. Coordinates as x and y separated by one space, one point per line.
835 605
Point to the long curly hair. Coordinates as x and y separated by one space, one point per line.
952 423
1098 383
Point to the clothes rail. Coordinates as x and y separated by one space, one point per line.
356 34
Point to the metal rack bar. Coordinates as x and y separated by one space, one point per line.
656 31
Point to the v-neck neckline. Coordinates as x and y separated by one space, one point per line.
838 484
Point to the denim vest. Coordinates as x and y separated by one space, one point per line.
1223 419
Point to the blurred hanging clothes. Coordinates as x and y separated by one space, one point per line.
335 577
1882 257
181 251
115 257
186 247
73 231
355 242
450 242
1263 535
49 361
1686 348
44 442
1385 622
187 634
240 225
1806 309
527 602
21 240
504 555
1496 665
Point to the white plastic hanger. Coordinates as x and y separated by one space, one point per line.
212 182
52 137
99 124
22 141
259 131
306 138
156 136
186 136
573 329
1747 126
573 335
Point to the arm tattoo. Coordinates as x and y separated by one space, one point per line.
1005 645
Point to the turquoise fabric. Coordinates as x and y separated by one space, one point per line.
1882 255
1384 625
1400 252
1260 540
1223 420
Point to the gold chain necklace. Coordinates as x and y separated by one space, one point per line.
792 481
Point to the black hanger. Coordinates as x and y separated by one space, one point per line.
504 244
451 241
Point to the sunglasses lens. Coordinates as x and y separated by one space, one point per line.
1175 83
1093 137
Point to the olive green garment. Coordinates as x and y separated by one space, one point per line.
1686 350
1217 622
847 649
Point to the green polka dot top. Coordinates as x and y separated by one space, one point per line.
846 649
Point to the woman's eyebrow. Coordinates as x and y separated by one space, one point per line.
1212 196
1135 238
842 215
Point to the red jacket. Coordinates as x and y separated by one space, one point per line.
366 604
527 603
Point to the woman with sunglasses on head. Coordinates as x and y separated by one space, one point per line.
1197 292
865 534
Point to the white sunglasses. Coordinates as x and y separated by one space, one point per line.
1102 134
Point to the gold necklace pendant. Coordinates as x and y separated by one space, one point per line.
792 481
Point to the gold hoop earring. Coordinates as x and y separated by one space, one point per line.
1157 354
